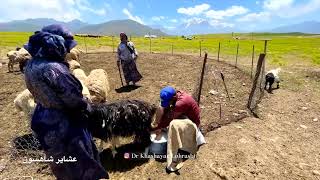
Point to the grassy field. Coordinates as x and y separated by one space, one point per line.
283 49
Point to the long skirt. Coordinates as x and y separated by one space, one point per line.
62 140
130 71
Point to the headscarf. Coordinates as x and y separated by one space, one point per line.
52 42
123 36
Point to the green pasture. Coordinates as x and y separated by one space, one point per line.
283 49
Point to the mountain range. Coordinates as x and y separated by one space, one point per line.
108 28
134 28
310 27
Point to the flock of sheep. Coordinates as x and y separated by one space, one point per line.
95 85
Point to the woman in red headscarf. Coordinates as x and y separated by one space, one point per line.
127 56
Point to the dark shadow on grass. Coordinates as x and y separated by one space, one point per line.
127 88
119 162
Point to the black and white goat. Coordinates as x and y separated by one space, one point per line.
122 119
271 77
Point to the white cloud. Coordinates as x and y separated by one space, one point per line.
262 16
57 9
62 10
84 5
193 21
290 9
257 2
173 20
232 11
196 10
275 5
157 18
132 17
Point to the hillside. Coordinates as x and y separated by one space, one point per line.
107 28
30 25
115 27
311 27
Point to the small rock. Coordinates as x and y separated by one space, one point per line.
303 165
243 111
202 107
239 127
243 140
232 95
303 126
213 92
315 119
304 108
236 114
315 172
243 84
223 95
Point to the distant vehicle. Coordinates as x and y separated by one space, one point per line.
188 37
150 36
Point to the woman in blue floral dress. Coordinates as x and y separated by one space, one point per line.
61 115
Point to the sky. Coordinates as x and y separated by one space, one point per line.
244 14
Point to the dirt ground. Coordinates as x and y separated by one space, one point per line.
282 144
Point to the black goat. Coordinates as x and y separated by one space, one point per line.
122 119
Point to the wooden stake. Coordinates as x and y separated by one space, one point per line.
225 86
265 46
256 78
150 43
219 52
201 77
200 48
252 61
237 55
113 44
172 49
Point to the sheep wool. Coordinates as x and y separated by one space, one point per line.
98 85
80 74
20 57
73 65
82 77
275 72
85 91
24 102
73 55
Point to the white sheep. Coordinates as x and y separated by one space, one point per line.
73 64
271 77
81 76
74 55
20 56
25 102
98 85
